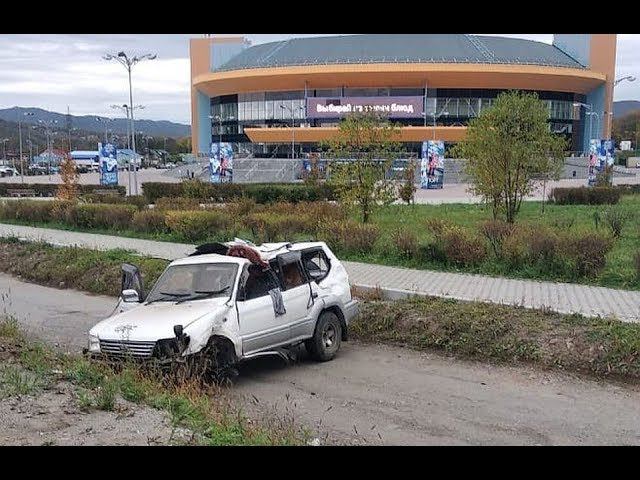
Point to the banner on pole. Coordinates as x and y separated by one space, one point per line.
108 164
432 164
221 163
601 156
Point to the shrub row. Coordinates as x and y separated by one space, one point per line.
50 189
224 192
558 252
137 200
585 195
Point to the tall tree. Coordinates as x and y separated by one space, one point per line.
507 148
360 156
68 189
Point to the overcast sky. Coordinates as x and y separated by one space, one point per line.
53 71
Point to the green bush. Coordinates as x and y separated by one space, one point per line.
154 190
615 219
585 195
636 262
496 231
177 203
137 200
26 210
150 221
199 225
405 242
349 236
102 215
462 248
587 253
227 192
33 210
50 189
271 226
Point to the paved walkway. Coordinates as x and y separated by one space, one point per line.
561 297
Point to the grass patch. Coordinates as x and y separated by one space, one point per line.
401 229
15 380
72 267
502 333
205 410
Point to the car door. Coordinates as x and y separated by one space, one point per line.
297 293
262 324
131 280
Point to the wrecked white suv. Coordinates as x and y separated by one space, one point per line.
230 302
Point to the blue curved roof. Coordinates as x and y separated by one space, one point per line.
400 48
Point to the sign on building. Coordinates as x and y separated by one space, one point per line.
392 107
625 145
108 164
221 163
432 164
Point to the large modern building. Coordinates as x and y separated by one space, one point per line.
263 98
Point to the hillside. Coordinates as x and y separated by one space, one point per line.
624 107
154 128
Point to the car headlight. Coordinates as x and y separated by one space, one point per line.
94 343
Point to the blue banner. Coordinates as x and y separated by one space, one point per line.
108 164
432 164
221 163
601 155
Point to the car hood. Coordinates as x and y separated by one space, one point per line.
155 321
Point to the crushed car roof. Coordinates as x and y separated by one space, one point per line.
267 251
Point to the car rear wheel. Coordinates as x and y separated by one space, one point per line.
326 339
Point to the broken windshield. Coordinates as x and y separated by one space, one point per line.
194 282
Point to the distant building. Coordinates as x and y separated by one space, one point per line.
86 158
266 97
51 156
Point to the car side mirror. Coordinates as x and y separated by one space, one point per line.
130 296
132 280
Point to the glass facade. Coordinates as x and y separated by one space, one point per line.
232 113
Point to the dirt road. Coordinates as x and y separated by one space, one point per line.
376 394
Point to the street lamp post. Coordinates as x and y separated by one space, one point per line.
128 63
4 148
25 114
47 126
293 130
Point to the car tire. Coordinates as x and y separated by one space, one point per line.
326 339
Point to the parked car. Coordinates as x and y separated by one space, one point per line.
231 302
8 171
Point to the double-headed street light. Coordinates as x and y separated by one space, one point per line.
125 108
127 62
293 130
47 128
106 124
629 78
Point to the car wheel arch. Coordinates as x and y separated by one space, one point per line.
335 309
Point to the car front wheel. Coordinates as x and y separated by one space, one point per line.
326 339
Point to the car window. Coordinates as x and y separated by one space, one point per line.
316 263
192 279
292 275
258 283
